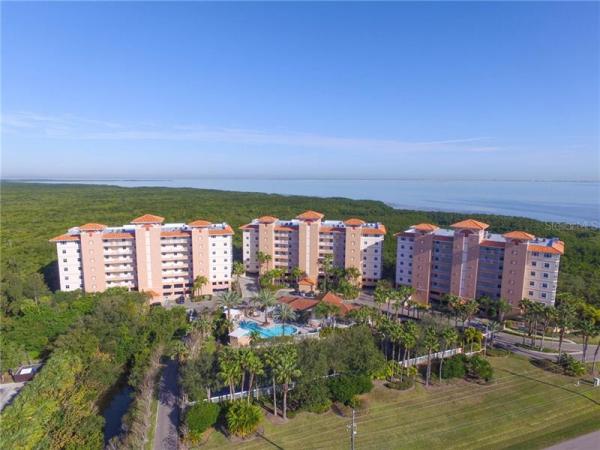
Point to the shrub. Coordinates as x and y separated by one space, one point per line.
243 418
406 383
319 408
345 387
454 367
571 366
200 417
480 368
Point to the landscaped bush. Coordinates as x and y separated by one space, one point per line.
571 366
454 367
344 388
243 418
480 368
406 383
200 417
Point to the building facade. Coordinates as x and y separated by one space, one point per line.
468 261
304 242
146 255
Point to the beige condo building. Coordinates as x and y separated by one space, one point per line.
147 255
468 261
304 241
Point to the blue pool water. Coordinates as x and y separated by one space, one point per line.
275 330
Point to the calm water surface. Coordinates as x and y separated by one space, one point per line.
571 202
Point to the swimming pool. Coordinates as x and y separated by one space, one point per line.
273 331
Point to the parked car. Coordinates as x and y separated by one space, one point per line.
180 301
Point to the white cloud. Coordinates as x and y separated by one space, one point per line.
76 128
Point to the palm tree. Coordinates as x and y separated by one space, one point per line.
326 265
352 274
229 300
472 335
199 282
565 316
454 304
449 338
271 359
586 329
502 307
266 299
286 370
409 339
493 328
403 295
284 313
547 317
431 344
254 366
230 369
263 258
594 334
383 294
327 310
238 270
296 273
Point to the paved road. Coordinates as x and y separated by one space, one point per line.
509 342
167 420
7 392
589 441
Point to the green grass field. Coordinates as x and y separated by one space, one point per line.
524 408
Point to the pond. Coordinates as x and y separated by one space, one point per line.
115 409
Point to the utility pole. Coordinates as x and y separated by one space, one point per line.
352 429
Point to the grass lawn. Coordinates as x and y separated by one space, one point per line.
524 408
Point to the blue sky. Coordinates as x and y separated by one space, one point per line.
472 90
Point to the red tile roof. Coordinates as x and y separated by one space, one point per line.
65 237
298 303
354 222
374 231
307 281
426 227
221 231
310 215
281 228
331 230
200 224
148 218
470 224
92 227
519 235
267 219
557 248
248 226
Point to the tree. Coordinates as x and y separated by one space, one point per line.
449 338
296 273
243 418
548 316
286 370
254 366
35 287
503 307
352 274
493 328
565 317
473 335
271 358
263 258
587 329
327 310
229 300
431 344
199 282
230 369
284 313
238 270
326 265
595 334
266 299
383 294
454 304
199 417
403 295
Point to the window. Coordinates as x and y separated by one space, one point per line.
531 283
536 254
543 295
547 265
533 263
530 293
65 269
545 275
532 274
67 286
64 251
544 285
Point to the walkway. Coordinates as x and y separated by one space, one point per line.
167 416
589 441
